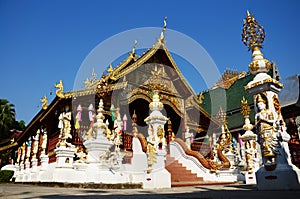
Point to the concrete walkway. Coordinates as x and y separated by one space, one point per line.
239 191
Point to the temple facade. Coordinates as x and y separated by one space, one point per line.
142 120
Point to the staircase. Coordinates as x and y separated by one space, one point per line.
180 176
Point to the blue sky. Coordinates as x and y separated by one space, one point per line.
42 42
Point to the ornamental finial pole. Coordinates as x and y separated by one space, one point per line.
134 46
253 33
164 28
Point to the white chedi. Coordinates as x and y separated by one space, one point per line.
156 121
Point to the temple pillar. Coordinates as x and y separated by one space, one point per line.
277 171
157 176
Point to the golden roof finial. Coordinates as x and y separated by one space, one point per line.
134 46
60 89
94 76
164 28
200 98
248 13
110 69
86 81
45 102
165 23
253 33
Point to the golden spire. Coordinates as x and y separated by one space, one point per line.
253 36
94 76
245 108
86 81
253 33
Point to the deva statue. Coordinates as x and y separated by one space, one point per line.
264 120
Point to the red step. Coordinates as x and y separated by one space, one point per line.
180 175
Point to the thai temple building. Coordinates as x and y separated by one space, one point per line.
141 123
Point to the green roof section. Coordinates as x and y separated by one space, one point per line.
230 101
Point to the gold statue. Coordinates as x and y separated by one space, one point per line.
86 82
200 98
60 90
45 102
151 151
109 135
65 129
23 147
89 134
160 132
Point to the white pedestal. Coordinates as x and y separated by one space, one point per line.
65 174
34 167
26 175
17 173
284 177
34 170
96 148
159 177
139 158
44 161
21 173
46 175
160 160
64 157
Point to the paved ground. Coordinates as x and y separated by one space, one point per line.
16 191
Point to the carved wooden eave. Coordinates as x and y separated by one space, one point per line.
92 90
78 93
160 44
110 76
170 99
131 58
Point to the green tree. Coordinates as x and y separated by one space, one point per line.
7 118
19 125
